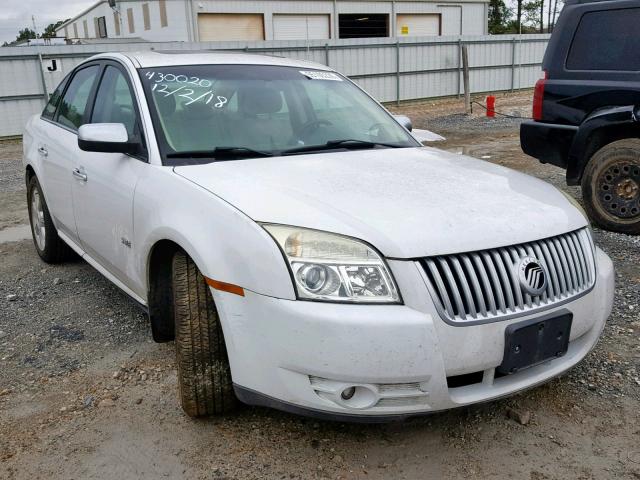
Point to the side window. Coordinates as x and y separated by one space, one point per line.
74 104
606 40
114 101
50 109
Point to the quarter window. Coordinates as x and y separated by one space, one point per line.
74 104
606 40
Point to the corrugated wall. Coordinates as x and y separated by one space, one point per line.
389 69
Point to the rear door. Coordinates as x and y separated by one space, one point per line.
58 144
103 194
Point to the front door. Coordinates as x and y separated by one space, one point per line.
59 145
104 187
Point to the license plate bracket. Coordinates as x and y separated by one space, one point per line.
535 341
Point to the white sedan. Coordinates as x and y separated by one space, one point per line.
300 245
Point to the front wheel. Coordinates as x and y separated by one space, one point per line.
611 187
204 375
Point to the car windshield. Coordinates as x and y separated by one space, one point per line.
205 113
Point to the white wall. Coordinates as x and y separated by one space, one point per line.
474 19
176 29
470 15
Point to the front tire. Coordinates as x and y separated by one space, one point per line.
611 187
49 245
204 375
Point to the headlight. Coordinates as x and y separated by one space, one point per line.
333 268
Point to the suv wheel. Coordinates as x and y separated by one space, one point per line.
611 187
49 245
204 375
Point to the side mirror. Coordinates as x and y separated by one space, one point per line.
404 121
106 138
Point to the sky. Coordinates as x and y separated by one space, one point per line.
16 14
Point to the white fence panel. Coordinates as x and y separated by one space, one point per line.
389 69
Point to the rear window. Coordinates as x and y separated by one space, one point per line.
606 40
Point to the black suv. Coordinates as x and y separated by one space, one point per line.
586 108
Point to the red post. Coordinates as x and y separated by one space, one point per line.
491 106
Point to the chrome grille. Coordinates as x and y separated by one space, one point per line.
484 286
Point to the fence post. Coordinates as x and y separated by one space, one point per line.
513 64
45 94
398 71
459 72
326 54
465 77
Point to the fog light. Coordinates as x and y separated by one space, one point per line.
348 393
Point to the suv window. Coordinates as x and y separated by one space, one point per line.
114 101
73 106
606 40
50 109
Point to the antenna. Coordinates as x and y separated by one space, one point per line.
35 29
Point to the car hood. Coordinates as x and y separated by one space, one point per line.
407 202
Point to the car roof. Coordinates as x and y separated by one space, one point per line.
160 58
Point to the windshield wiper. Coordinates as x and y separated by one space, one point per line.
344 143
221 153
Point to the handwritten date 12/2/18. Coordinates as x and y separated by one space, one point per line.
189 93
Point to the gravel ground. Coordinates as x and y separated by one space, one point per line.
84 393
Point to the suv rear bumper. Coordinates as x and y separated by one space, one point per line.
548 142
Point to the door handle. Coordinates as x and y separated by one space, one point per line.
79 174
43 151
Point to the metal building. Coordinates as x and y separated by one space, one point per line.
251 20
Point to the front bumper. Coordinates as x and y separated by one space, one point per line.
300 356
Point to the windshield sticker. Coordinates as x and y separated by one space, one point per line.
318 75
183 89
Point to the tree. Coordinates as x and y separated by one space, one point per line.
532 14
553 15
25 34
50 30
499 16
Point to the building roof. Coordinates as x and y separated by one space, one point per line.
159 58
84 12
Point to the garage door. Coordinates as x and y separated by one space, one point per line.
230 26
418 25
300 27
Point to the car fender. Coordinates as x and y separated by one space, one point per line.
599 128
226 245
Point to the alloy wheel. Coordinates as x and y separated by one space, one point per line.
37 219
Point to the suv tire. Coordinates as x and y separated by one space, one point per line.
204 375
49 245
611 186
